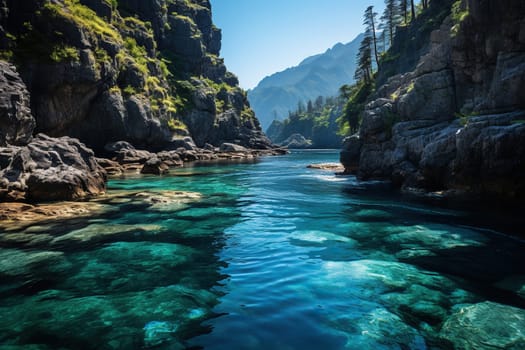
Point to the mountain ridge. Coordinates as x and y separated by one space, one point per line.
281 92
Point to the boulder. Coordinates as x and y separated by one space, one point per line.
231 147
125 153
185 142
155 166
16 121
52 169
171 158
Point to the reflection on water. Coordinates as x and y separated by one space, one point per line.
265 255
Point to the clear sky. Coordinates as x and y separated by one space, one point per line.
261 37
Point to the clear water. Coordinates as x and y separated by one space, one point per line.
271 256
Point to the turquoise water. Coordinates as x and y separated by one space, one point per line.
264 255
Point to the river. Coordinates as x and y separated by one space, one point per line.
264 255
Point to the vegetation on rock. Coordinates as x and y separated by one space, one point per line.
105 71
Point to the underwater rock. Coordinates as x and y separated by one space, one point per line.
17 262
16 216
102 232
486 326
382 328
158 332
436 237
101 322
128 266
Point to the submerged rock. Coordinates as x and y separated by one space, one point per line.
112 321
16 216
38 264
158 332
486 326
102 232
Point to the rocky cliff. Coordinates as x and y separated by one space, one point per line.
140 71
101 77
456 120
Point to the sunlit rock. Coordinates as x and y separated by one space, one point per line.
16 216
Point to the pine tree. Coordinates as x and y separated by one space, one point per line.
370 23
413 9
403 6
309 107
391 18
364 60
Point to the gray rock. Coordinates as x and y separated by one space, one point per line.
52 169
171 158
16 121
430 96
155 166
506 91
486 325
296 141
185 142
350 153
231 147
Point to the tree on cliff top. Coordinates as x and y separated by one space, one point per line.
370 23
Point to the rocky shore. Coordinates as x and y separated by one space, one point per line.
42 168
454 122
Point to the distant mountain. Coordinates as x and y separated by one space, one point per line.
318 75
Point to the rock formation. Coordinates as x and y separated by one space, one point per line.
141 72
16 121
109 76
40 168
456 120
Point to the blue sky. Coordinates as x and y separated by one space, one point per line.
261 37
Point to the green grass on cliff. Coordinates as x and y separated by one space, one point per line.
84 17
460 11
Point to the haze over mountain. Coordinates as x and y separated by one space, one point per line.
318 75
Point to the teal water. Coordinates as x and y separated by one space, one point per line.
263 255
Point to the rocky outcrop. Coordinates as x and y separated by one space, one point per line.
99 72
296 141
455 122
40 168
49 169
16 121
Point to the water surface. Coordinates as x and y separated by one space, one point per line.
265 255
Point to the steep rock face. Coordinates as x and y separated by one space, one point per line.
16 121
144 71
40 168
411 132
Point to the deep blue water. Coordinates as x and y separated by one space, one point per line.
262 255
